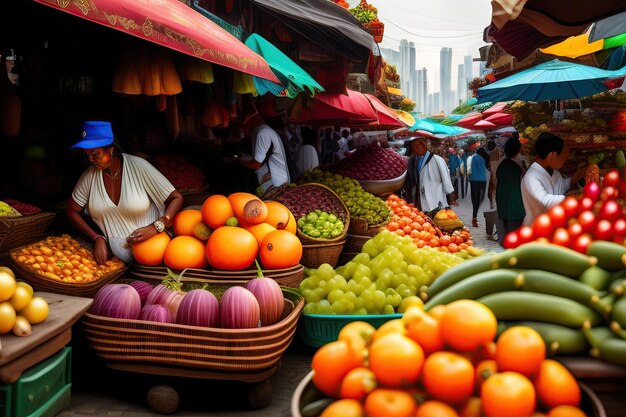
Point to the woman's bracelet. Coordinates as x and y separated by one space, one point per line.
103 237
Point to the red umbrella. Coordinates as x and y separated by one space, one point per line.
387 117
500 119
330 108
496 108
173 24
483 125
469 120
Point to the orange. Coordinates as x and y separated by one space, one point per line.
556 385
185 252
216 210
448 377
484 370
186 221
466 324
343 408
357 384
238 201
434 408
391 326
383 402
231 248
151 251
508 394
331 363
396 360
357 333
472 408
280 217
520 349
426 332
280 249
260 231
566 411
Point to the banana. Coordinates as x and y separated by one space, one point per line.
596 277
546 257
517 305
550 283
605 305
617 330
618 314
618 287
596 336
612 350
459 272
559 339
610 255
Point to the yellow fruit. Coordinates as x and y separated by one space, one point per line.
7 270
7 286
202 232
21 297
22 327
36 311
25 285
7 317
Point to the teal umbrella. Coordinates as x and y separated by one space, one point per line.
438 128
292 77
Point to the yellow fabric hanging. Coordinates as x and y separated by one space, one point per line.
146 70
574 46
243 84
193 69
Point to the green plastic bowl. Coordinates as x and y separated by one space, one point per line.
319 329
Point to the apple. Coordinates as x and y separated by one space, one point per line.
592 191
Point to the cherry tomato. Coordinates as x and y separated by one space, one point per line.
511 240
611 179
587 220
582 243
610 210
574 230
525 234
622 188
603 230
542 226
585 203
570 205
609 193
619 228
592 191
561 237
557 216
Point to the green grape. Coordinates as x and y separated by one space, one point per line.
386 275
341 270
371 248
361 311
379 299
408 301
341 282
351 285
318 294
358 289
362 258
388 309
350 297
306 283
325 271
310 308
335 295
414 270
365 282
394 300
306 293
404 291
401 278
362 272
350 267
324 307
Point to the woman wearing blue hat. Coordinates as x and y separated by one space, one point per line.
128 199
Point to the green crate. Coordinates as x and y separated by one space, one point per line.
319 329
45 387
5 400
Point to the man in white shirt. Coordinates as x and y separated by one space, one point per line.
543 186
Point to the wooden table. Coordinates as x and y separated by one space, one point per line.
17 354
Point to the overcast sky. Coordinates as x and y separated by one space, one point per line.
432 25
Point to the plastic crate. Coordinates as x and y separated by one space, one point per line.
44 389
5 400
319 329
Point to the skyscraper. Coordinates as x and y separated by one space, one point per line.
404 66
468 64
461 84
413 80
391 57
445 70
421 103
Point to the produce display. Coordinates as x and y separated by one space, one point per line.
22 208
575 301
371 163
440 364
361 204
259 303
61 258
321 224
228 233
183 175
20 308
8 211
408 220
597 214
390 270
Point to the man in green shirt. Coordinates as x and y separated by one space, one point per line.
508 189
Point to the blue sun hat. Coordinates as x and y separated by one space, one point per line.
95 135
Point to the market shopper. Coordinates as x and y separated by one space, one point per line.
454 163
267 152
543 186
127 198
508 187
428 184
477 172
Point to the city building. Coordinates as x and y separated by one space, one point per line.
461 85
445 71
421 103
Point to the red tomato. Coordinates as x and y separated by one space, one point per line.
610 210
542 226
582 243
574 230
525 234
622 188
619 228
587 220
611 179
603 230
570 205
609 193
561 237
585 204
557 216
511 240
592 191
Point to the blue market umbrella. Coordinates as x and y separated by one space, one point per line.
438 128
292 77
552 80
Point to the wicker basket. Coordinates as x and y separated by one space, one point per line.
287 277
19 231
361 227
41 283
240 354
354 243
342 211
316 254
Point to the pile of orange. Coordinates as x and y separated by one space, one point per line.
228 233
408 220
444 363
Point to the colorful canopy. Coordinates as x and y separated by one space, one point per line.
438 128
549 81
386 116
608 27
483 125
500 119
173 24
470 120
496 108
